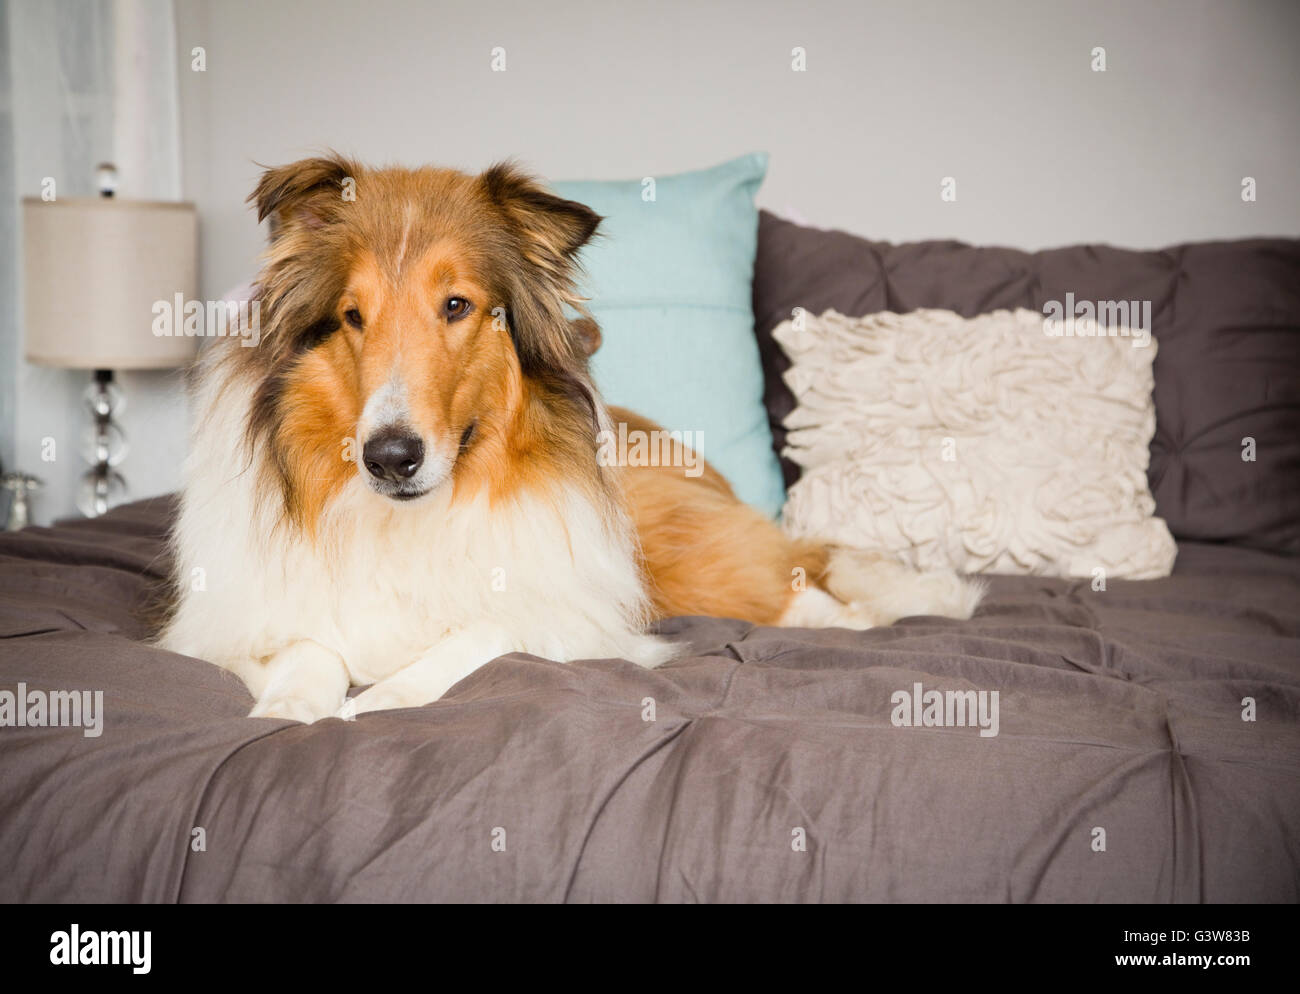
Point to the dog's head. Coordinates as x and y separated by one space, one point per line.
408 317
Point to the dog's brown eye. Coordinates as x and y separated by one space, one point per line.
456 308
353 317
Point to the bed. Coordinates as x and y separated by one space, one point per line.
1148 733
772 768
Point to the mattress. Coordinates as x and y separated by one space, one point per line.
1147 749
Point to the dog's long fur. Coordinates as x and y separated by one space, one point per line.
303 571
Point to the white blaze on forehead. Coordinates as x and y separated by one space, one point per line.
406 234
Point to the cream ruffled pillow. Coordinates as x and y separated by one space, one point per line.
980 444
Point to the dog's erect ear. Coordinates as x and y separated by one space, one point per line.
310 192
547 232
556 227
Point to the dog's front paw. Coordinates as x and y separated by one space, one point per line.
387 695
291 708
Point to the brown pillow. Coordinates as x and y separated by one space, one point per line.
1226 316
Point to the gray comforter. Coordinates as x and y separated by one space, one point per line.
776 766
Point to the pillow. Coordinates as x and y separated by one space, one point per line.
981 444
1225 459
670 280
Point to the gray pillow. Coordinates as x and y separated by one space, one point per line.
1226 314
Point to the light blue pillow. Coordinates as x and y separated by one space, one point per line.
670 284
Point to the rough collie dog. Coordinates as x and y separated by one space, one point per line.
401 481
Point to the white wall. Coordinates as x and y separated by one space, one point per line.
999 95
898 95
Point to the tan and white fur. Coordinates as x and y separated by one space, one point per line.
400 483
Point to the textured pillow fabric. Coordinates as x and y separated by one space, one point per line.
1227 315
978 444
670 284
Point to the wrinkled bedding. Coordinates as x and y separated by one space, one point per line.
772 769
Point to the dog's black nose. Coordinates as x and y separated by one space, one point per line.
393 455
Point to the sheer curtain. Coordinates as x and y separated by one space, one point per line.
82 82
8 258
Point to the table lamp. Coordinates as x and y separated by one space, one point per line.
96 269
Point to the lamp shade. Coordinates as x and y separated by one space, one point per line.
97 270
